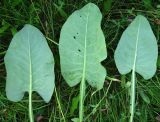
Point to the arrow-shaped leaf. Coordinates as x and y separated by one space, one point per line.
30 66
137 51
82 48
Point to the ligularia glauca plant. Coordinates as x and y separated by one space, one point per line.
137 51
82 48
30 66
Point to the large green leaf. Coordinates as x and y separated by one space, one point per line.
137 49
30 65
82 47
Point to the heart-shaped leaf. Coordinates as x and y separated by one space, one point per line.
30 65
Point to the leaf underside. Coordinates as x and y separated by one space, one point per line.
30 65
137 49
82 47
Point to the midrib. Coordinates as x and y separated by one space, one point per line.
132 102
135 55
30 81
85 49
30 66
82 86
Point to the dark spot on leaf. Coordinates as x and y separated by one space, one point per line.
77 33
74 37
79 50
80 16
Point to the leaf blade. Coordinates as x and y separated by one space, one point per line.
33 64
82 41
146 55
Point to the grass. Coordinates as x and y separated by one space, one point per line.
111 104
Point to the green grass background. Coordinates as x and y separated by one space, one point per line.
111 104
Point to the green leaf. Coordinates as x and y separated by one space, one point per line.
60 9
137 49
144 96
107 5
14 31
74 105
82 47
30 65
147 3
5 26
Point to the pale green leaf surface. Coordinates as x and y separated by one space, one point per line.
137 46
29 62
82 42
